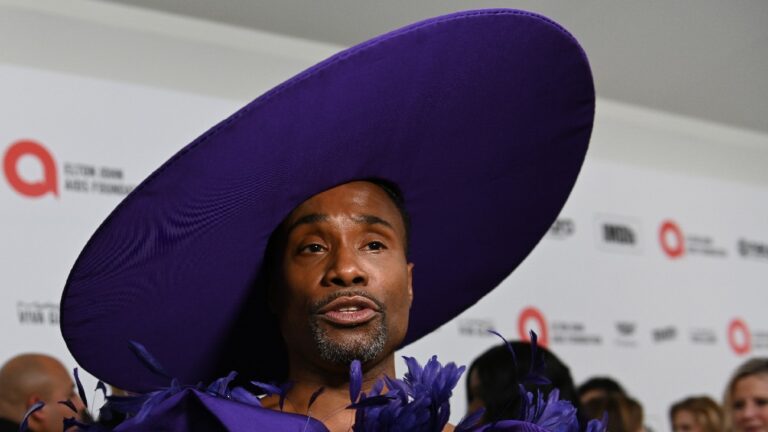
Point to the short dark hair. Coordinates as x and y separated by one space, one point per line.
606 384
500 379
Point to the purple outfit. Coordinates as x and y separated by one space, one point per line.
482 119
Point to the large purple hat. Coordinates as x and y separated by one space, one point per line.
482 118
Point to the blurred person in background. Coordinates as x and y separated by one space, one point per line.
493 380
597 387
746 397
31 378
624 413
696 414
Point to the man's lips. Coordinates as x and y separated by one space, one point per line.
349 311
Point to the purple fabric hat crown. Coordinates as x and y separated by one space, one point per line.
482 118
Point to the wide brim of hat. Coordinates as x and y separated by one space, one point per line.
482 118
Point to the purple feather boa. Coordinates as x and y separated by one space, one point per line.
420 402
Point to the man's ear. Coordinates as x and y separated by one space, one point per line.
410 283
38 416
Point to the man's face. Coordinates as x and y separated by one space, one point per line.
344 289
58 388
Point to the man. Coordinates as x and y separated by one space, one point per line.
343 292
31 378
277 244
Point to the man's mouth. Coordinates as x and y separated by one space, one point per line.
349 311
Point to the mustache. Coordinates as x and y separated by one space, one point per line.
318 305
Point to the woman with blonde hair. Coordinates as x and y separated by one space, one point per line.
696 414
746 397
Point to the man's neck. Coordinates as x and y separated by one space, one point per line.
330 407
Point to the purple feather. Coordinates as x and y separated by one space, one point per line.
284 392
100 386
242 395
468 423
69 405
80 390
366 402
149 361
269 389
417 403
355 380
220 387
73 422
314 397
25 422
537 373
378 386
509 346
600 425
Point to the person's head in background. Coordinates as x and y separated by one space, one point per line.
696 414
624 413
493 381
30 378
597 387
746 397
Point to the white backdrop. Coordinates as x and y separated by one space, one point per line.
668 314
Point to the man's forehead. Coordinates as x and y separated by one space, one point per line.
361 201
315 218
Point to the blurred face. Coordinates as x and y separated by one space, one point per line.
474 403
344 290
60 388
684 421
750 404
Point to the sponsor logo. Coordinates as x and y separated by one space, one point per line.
759 340
700 336
752 249
37 313
675 244
626 334
36 187
664 334
562 228
671 239
575 333
532 319
626 328
475 327
618 234
78 177
739 337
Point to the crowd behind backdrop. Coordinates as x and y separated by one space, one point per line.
654 278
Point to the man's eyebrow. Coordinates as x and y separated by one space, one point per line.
372 220
307 219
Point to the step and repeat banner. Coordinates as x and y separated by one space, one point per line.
655 279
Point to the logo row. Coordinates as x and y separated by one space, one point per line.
623 235
740 339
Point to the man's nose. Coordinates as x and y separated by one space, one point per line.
750 410
345 270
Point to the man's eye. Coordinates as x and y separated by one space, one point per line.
375 245
312 248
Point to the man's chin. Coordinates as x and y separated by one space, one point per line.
341 345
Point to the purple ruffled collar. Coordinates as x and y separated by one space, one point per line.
420 402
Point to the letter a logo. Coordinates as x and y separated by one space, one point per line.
34 188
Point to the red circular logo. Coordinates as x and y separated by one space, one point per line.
31 148
528 314
739 337
671 239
